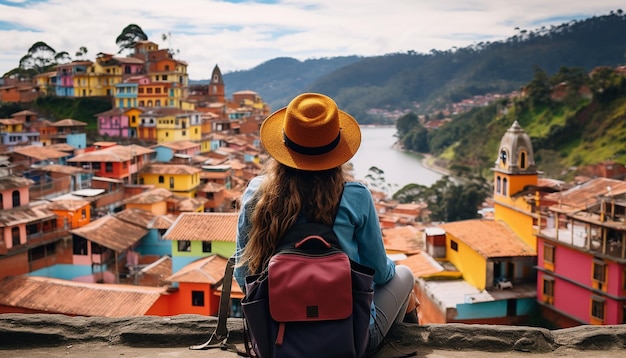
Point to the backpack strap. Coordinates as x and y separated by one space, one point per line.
219 338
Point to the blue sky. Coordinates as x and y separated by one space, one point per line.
241 34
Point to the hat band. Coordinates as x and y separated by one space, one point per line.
311 150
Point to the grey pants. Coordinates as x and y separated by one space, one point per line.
391 301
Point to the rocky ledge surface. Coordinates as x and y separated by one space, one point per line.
20 331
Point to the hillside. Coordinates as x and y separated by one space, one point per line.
424 82
585 124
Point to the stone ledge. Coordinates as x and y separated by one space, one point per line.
51 330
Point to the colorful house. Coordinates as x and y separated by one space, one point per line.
198 235
180 179
116 162
582 254
165 152
197 286
113 123
65 77
30 233
72 132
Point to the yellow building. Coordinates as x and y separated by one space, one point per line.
172 126
182 180
45 82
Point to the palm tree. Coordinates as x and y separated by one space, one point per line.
129 36
82 51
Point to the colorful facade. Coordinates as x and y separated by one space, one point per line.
582 254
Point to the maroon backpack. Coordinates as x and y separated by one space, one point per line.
310 301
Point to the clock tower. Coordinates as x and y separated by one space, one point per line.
515 182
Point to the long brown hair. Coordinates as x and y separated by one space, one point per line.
283 194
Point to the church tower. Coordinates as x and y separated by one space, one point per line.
515 180
216 87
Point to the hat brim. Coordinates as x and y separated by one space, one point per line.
271 134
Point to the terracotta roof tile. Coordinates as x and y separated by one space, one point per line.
136 216
406 239
172 169
69 122
421 264
87 299
206 270
40 153
111 232
14 182
584 195
204 227
488 238
25 214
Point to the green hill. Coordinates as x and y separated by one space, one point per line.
585 125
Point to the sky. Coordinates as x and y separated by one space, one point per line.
241 34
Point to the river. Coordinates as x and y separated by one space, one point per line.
400 168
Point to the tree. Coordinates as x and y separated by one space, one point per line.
62 57
40 58
82 51
130 35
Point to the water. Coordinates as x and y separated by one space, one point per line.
400 168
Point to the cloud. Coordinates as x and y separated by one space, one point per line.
239 35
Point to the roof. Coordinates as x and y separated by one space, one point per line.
405 239
178 145
111 232
67 205
151 196
117 153
14 182
488 238
40 153
24 214
421 264
172 169
206 270
204 227
87 299
584 195
136 216
163 222
68 122
65 169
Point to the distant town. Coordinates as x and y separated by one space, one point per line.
142 220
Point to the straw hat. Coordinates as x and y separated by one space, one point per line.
311 133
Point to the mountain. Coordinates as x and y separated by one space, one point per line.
278 80
424 82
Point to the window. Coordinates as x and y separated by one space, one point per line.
109 167
599 271
184 246
96 166
498 184
79 246
16 198
161 179
83 213
206 246
522 160
548 253
597 307
454 246
171 182
505 182
197 298
15 236
548 289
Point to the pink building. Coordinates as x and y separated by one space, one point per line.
581 248
113 123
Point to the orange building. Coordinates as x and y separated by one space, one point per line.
76 213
